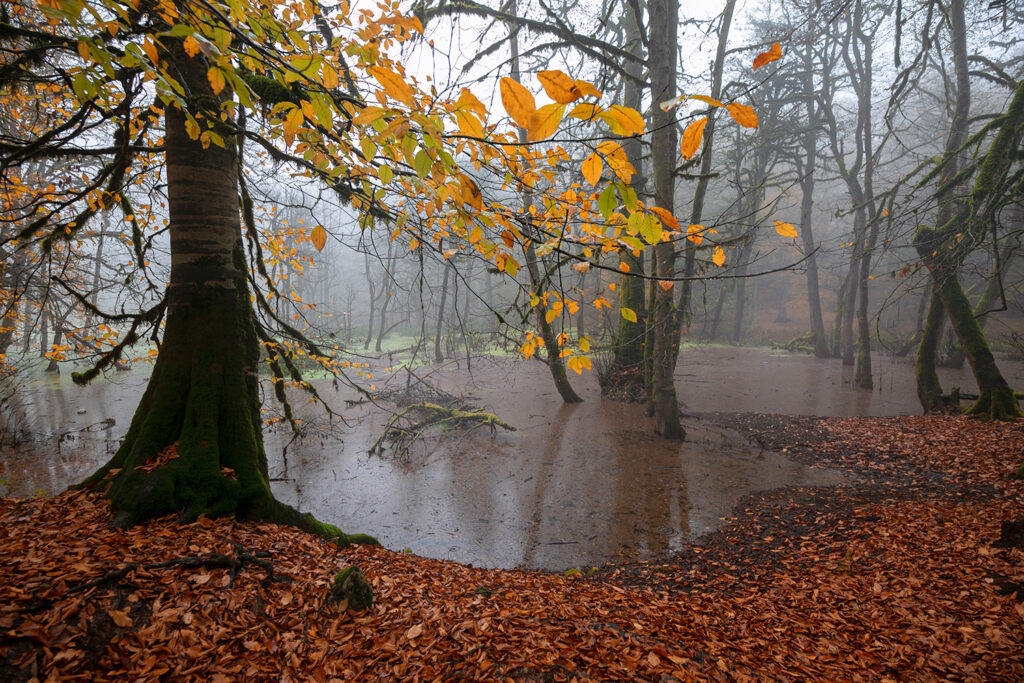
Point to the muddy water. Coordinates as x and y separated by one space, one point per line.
574 486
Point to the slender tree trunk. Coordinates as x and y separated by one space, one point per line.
438 356
664 25
373 299
929 389
387 286
554 362
631 338
706 157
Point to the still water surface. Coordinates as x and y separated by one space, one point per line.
574 486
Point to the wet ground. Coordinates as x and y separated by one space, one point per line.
574 486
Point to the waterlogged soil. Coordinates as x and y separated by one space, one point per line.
573 486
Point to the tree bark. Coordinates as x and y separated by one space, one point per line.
202 397
664 23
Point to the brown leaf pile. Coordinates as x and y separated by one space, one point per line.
858 583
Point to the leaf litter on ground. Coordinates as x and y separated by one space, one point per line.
891 579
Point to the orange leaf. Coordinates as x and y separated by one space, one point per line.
191 46
544 122
518 102
665 284
587 89
471 194
785 229
718 257
467 100
120 618
666 218
393 84
216 78
318 237
707 100
559 86
695 233
692 137
585 111
767 57
469 124
617 159
592 167
743 115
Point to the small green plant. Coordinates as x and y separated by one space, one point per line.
573 572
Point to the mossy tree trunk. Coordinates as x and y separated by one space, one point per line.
995 397
929 389
202 395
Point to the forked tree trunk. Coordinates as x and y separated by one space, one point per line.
202 396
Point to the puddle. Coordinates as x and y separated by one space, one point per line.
574 486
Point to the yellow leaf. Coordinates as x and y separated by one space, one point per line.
718 257
475 234
393 84
575 365
585 111
191 46
587 89
743 115
666 218
885 212
192 128
544 122
329 75
692 138
318 237
559 86
216 78
584 344
581 267
768 57
550 315
785 229
706 100
628 314
518 102
592 167
623 120
527 350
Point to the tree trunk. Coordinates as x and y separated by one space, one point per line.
929 389
438 356
373 299
664 24
706 157
995 397
631 337
202 397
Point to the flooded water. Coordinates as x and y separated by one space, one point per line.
573 486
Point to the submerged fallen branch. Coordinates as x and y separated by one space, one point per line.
406 426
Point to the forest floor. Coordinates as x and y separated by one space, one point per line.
914 573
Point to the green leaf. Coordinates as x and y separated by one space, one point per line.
606 202
628 314
422 164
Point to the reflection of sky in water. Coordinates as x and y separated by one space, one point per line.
576 485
